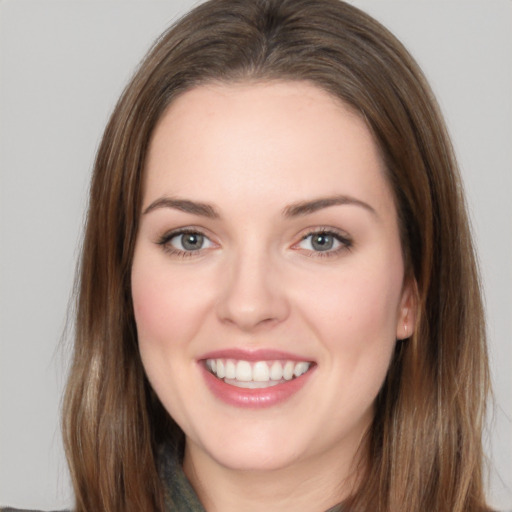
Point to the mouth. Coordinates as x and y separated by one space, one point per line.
256 374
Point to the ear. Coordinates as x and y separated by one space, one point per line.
408 310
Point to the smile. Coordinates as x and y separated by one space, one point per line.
256 374
255 379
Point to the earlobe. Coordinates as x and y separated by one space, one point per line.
406 327
407 313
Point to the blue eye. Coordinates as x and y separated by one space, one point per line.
324 241
189 241
185 242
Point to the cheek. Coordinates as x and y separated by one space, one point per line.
167 305
354 304
356 323
354 314
154 309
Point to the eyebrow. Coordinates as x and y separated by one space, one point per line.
307 207
292 210
184 205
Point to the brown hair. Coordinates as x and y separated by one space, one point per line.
425 442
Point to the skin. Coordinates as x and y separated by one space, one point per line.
250 151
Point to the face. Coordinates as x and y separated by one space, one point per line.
268 280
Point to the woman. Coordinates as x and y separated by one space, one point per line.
279 305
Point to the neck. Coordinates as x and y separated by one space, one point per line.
316 485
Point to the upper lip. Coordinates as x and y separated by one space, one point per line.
260 354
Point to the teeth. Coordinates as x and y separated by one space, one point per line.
256 374
276 371
221 370
243 371
252 384
300 369
260 372
287 371
230 370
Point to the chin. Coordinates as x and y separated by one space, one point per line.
262 451
254 460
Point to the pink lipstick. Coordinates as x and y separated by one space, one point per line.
260 378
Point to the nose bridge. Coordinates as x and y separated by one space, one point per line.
252 293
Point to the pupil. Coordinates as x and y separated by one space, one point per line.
322 242
192 242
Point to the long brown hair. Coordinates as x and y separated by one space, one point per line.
425 451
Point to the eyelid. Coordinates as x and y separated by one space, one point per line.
344 239
165 239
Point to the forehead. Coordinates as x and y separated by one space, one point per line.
247 138
275 108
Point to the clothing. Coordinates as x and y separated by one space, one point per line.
179 495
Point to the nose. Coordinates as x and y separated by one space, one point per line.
253 294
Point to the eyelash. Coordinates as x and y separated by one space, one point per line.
345 242
164 242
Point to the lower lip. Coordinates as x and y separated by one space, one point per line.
254 398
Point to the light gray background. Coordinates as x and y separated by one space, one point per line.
63 65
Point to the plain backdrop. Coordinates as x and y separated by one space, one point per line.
64 63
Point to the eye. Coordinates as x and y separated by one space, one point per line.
324 242
189 241
185 242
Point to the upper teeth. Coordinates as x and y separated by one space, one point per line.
257 371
